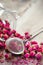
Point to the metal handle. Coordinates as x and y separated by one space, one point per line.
36 33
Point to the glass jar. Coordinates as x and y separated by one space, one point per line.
13 11
10 16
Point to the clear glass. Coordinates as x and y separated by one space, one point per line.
16 5
13 11
10 17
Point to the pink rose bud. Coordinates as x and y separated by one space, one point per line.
35 47
30 49
4 30
34 42
40 49
27 45
27 35
25 51
13 31
6 36
26 55
17 35
38 55
32 53
6 21
41 46
6 56
21 37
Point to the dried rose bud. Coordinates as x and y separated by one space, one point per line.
9 33
27 35
30 49
8 56
4 30
17 35
32 54
7 22
6 36
40 49
35 47
13 31
25 51
27 55
41 46
21 37
38 55
27 45
34 42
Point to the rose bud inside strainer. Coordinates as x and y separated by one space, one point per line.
15 45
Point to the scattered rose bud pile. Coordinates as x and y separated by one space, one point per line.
32 49
6 32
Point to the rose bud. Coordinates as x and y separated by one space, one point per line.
32 54
6 36
6 56
41 46
34 42
35 47
27 35
27 45
13 31
38 55
4 30
40 49
26 55
25 51
21 37
7 23
17 35
30 49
